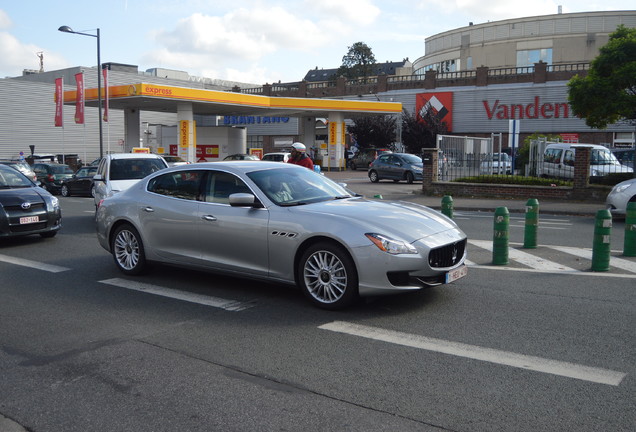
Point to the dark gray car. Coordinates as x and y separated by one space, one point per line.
396 167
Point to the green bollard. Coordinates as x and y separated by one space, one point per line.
629 246
500 237
602 235
532 224
447 206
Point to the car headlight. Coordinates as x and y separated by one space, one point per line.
391 246
55 202
418 169
620 188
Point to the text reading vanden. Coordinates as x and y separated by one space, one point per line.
534 110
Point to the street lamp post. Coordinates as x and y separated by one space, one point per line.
67 29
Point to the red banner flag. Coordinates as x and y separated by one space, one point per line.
59 102
105 73
79 104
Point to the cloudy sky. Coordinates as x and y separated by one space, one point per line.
246 41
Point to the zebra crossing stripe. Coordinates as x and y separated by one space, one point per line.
526 258
587 254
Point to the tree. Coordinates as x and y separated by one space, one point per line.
376 131
608 92
421 132
358 62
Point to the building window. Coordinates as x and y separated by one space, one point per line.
530 57
469 63
254 141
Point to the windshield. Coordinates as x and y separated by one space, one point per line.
134 169
497 157
412 159
603 157
287 187
11 178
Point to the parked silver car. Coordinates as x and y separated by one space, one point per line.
620 195
282 223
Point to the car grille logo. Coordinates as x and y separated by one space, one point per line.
454 253
25 206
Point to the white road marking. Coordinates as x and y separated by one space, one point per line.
587 254
538 364
229 305
525 258
543 227
32 264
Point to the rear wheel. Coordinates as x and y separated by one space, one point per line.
65 192
128 250
328 276
373 176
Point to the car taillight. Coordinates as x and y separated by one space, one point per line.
50 177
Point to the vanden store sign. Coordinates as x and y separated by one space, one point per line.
537 109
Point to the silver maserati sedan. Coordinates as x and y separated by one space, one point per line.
283 223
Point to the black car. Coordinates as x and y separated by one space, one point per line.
51 175
26 208
81 183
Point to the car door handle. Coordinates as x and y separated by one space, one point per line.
208 218
149 210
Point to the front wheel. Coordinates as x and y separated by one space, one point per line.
65 192
328 276
373 176
409 177
128 250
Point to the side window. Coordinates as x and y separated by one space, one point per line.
38 169
568 158
385 159
182 184
220 185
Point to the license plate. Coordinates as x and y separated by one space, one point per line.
458 273
29 219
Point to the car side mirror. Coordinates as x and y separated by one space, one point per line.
244 200
98 177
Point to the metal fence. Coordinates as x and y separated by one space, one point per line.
463 156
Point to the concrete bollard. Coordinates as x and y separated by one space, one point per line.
447 206
501 236
629 246
532 224
602 237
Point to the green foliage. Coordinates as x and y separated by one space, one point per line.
608 92
358 62
421 132
523 153
374 131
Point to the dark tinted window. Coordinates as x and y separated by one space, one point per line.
221 185
134 169
182 184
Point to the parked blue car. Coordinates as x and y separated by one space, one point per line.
396 167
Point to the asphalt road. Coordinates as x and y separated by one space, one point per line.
540 344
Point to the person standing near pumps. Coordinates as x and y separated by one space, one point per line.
299 156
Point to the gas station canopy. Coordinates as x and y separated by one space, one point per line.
161 98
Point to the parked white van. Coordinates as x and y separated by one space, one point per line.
558 161
119 171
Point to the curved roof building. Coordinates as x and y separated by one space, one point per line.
522 42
